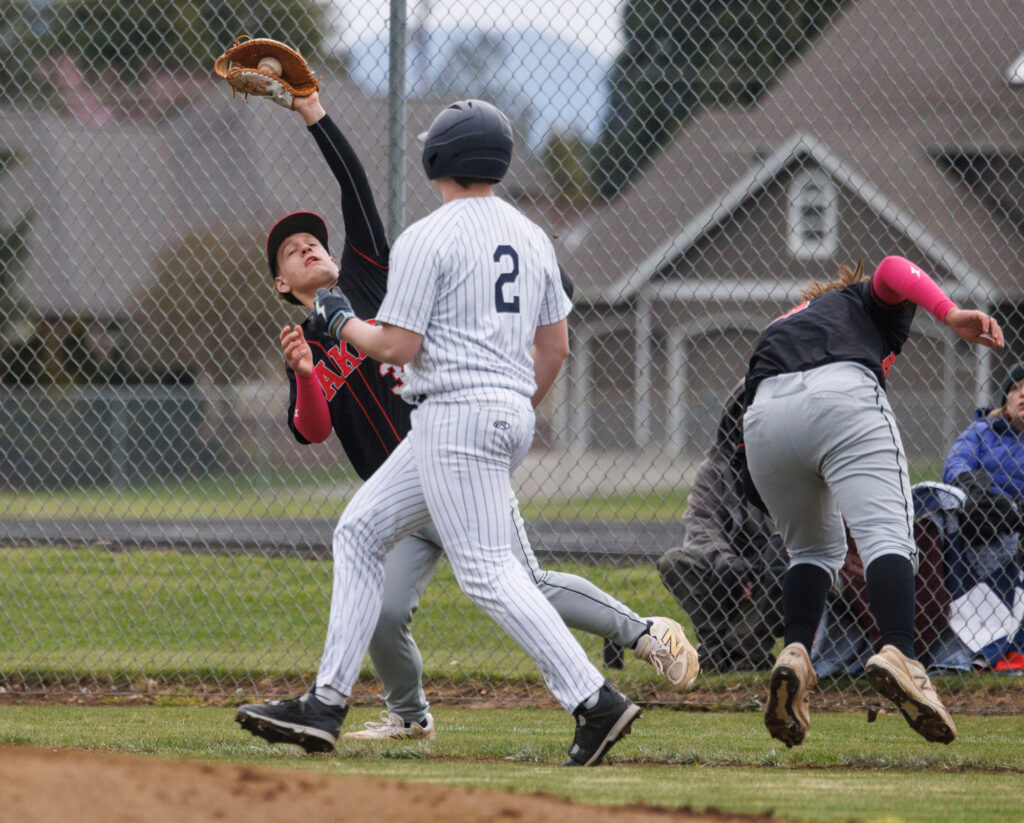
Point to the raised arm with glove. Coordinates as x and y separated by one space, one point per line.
266 68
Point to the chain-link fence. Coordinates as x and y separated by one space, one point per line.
697 162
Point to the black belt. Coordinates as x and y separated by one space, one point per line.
419 398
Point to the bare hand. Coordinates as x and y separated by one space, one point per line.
975 327
297 353
309 107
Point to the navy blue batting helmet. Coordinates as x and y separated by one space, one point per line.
470 138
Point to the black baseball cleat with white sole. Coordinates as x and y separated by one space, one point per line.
304 721
601 727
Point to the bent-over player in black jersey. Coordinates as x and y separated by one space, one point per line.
823 447
335 388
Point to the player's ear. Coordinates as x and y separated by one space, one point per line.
281 286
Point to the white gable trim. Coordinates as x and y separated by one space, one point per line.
971 286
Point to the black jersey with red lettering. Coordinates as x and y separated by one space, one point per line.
847 324
367 413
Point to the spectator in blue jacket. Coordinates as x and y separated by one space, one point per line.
983 571
987 462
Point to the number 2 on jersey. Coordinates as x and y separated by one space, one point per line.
501 305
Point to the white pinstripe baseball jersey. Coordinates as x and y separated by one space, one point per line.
475 278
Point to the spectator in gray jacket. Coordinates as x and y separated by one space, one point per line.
727 574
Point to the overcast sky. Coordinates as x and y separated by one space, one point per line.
594 24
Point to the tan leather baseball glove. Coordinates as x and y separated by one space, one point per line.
241 66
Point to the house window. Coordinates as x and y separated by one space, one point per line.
813 215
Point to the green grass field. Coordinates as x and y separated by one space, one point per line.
847 770
159 621
294 495
156 621
170 616
315 492
303 492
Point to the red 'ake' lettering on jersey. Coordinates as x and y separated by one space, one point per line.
888 362
345 362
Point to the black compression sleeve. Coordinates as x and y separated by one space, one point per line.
364 229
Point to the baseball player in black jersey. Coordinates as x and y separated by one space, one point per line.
333 387
822 448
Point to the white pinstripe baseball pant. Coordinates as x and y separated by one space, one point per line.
452 468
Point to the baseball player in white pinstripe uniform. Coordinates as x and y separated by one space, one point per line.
476 312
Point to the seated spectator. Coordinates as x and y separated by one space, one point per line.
987 462
727 574
984 569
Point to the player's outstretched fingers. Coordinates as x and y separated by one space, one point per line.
975 327
995 333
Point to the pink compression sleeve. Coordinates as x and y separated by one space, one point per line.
897 279
312 417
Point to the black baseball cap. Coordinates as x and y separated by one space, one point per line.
300 221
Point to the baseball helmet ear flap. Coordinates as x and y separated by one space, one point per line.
470 138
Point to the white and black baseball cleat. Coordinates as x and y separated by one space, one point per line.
601 727
303 721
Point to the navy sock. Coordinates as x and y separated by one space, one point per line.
890 580
804 589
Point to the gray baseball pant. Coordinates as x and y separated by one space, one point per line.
408 568
822 445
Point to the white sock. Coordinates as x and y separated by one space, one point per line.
329 696
591 701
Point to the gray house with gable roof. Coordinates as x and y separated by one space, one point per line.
897 133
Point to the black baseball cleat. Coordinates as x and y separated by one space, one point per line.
304 721
600 728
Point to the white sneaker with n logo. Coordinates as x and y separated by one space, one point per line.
666 648
904 681
392 727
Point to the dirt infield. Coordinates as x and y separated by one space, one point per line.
51 785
